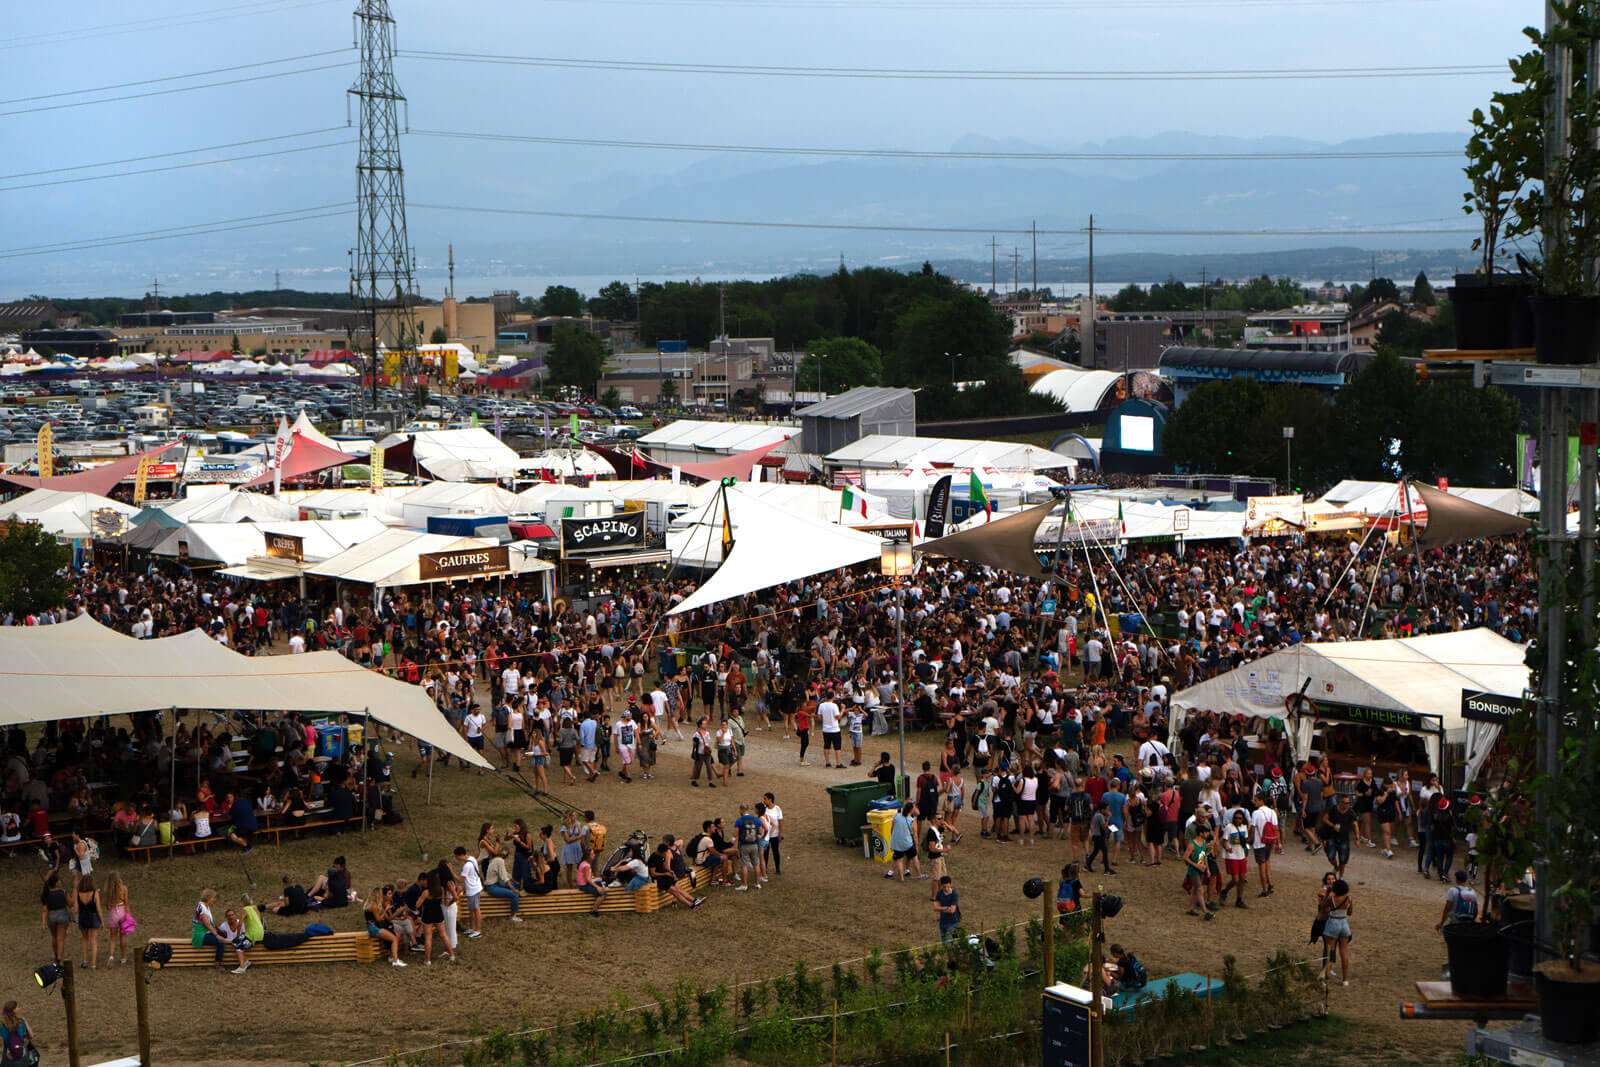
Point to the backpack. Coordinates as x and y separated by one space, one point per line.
1269 832
1466 904
502 717
1132 973
15 1044
1078 807
748 831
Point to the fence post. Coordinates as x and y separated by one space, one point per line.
835 1055
947 1048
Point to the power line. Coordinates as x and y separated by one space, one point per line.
870 228
178 166
177 89
160 22
896 153
271 218
168 155
174 77
890 73
992 5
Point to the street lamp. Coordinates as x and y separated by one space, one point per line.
1288 466
952 357
896 561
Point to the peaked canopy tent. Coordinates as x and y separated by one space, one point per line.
235 543
391 558
226 506
1006 544
451 498
1410 685
770 546
468 455
305 457
97 480
64 513
81 669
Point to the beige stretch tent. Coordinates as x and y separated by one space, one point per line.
81 668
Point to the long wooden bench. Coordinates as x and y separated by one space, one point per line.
191 843
274 832
575 901
1198 984
330 948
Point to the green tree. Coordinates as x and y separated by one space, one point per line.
236 348
32 570
1422 293
1372 410
941 321
1377 291
846 362
438 336
611 398
614 303
1406 335
669 390
561 300
1435 444
577 358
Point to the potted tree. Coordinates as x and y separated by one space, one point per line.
1491 310
1560 204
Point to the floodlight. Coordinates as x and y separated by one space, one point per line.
1033 887
48 975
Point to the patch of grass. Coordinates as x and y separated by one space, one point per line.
1327 1037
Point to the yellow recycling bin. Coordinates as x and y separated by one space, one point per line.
876 840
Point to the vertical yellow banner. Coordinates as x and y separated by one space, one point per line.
47 439
376 460
141 481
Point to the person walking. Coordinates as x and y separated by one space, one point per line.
1337 826
1265 833
1336 931
775 837
119 919
1197 873
89 920
903 844
54 916
700 754
947 905
1099 839
1460 903
1235 857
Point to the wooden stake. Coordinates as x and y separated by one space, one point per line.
142 1006
835 1055
69 999
947 1048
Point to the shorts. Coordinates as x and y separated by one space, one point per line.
855 738
936 868
1237 868
566 756
592 889
725 756
476 742
541 761
502 739
1338 852
1155 831
955 802
904 853
749 855
57 917
1025 807
93 923
586 755
834 741
519 739
474 901
1114 832
1336 928
625 752
1263 854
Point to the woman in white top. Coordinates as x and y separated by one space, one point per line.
773 857
955 790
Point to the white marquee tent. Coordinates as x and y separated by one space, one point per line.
771 545
1421 676
458 455
234 543
80 669
390 558
455 498
223 504
62 513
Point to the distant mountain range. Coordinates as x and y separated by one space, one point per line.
1233 199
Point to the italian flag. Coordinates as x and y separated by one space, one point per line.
848 501
976 495
1122 523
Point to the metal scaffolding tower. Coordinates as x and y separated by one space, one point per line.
381 279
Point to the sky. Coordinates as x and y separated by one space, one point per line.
53 53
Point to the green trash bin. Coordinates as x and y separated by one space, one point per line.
849 801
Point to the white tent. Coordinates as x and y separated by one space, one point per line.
382 504
662 489
455 498
307 429
550 501
390 558
566 463
810 501
1076 389
1146 519
463 455
1419 678
80 669
228 505
62 513
233 543
770 546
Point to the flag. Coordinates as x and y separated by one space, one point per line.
976 495
547 427
848 501
281 443
727 527
939 506
572 424
497 426
1122 523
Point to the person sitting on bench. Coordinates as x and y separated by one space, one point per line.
660 869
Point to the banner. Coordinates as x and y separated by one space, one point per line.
938 508
1291 508
1088 530
46 442
464 563
375 468
286 546
1488 707
625 529
141 480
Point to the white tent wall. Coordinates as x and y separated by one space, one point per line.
459 455
454 498
62 513
80 669
233 543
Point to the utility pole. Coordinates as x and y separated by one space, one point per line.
277 286
1202 325
451 291
994 266
69 1000
381 275
722 330
1016 255
1035 227
142 1006
1086 320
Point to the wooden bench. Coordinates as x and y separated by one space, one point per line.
201 843
1439 1002
330 948
575 901
1198 984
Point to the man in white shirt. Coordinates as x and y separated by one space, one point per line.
297 643
1260 819
472 885
832 737
1155 755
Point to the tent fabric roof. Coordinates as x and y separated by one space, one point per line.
724 437
888 451
62 513
1260 360
1006 544
97 480
80 669
440 498
1077 389
465 455
770 546
305 457
234 543
307 429
1452 519
390 558
230 506
734 466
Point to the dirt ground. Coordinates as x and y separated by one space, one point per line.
830 903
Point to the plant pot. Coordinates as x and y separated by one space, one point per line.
1566 329
1484 308
1478 957
1518 937
1569 1001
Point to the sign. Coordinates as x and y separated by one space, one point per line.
1091 530
286 546
625 529
1290 508
1488 707
141 480
1066 1026
894 533
1049 606
1387 718
464 563
108 522
46 443
1180 519
220 470
375 469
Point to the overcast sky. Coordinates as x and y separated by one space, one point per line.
55 49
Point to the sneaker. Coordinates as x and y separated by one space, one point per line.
1213 907
243 967
474 933
1316 848
516 918
396 963
1240 904
427 963
1388 854
697 902
1209 916
741 889
418 948
1262 893
888 874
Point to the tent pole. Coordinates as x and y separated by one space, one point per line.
366 761
431 760
172 764
1416 547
